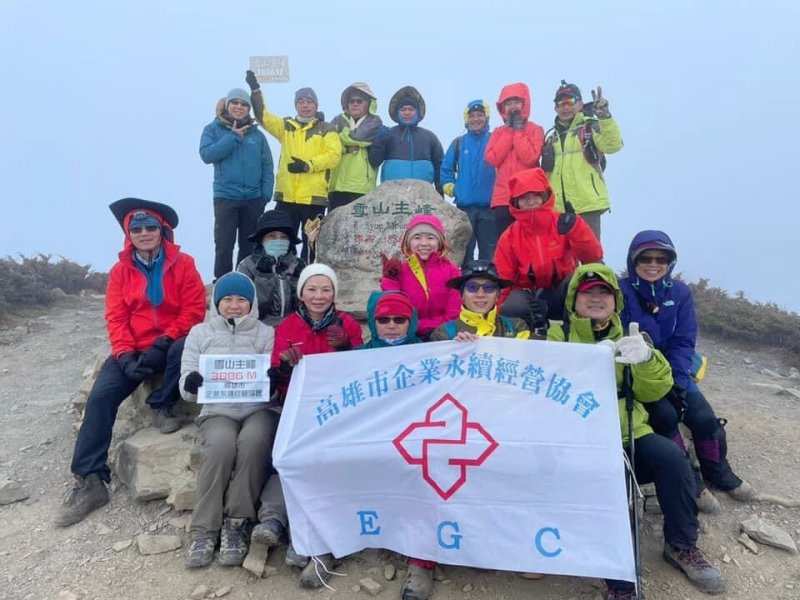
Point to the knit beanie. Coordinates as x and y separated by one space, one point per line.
307 93
234 284
238 94
316 269
394 304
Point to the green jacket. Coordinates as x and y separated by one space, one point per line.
651 380
573 177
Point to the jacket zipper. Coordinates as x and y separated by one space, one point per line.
593 185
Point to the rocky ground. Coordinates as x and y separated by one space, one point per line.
42 359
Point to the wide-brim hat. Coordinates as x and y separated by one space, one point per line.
122 207
479 268
276 220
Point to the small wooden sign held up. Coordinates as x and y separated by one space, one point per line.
270 68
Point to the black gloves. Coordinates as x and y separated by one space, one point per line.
265 264
677 397
548 156
290 265
298 166
251 80
155 357
132 367
193 382
567 219
516 120
538 314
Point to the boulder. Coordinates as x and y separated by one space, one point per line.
181 496
353 237
12 491
153 464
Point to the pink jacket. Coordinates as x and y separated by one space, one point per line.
444 303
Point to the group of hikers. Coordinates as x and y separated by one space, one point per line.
534 202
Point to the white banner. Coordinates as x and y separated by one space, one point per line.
233 378
270 68
500 454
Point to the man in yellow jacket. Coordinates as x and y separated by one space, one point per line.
574 153
310 150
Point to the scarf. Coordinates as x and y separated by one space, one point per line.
153 272
419 272
485 325
327 319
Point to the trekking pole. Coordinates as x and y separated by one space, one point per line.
627 390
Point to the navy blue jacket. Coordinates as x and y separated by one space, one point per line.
407 152
473 176
664 309
242 166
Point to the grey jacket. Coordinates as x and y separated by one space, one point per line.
247 335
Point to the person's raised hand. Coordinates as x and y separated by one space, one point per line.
391 266
567 219
252 81
193 382
633 349
240 131
600 104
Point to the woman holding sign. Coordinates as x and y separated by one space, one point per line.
236 436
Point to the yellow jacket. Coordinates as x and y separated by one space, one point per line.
315 142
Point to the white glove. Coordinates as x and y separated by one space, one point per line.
632 349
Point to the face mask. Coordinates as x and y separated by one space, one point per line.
396 342
276 248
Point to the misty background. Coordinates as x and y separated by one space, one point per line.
106 100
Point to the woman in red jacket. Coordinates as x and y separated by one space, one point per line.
154 297
316 327
540 251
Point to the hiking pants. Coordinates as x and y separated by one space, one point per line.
273 505
502 220
708 433
484 233
339 199
110 388
592 219
301 213
234 222
233 469
660 461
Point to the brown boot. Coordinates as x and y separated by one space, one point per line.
89 493
705 576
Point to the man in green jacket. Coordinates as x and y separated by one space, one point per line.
574 153
357 126
593 305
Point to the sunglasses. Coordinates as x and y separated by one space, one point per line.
238 103
566 102
356 101
472 287
147 228
395 320
659 260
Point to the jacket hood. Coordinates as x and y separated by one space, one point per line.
472 105
530 180
251 316
518 90
408 91
602 271
650 239
363 88
375 341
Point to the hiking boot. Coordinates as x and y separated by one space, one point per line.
234 541
201 551
418 584
293 559
270 533
613 594
705 576
317 572
87 494
743 492
707 503
167 421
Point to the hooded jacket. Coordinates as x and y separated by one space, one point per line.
464 165
133 322
664 309
245 335
651 380
509 150
441 303
374 340
407 151
243 168
316 143
354 173
532 244
573 177
276 282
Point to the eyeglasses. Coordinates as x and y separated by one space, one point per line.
147 228
356 101
472 287
239 103
566 102
395 320
659 260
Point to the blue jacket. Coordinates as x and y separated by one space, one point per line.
473 176
664 309
242 166
407 152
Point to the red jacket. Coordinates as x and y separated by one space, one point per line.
294 330
442 303
133 322
532 242
511 151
